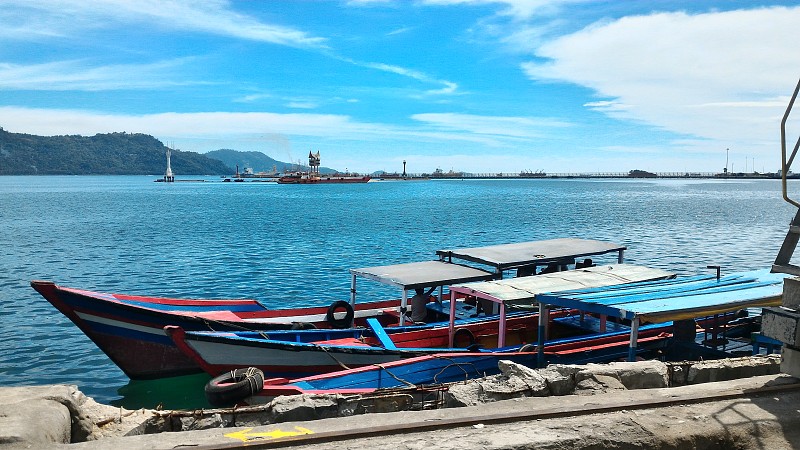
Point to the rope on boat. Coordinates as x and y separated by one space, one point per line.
454 364
325 349
406 382
208 323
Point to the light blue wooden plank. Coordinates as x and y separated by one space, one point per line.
662 298
380 333
674 294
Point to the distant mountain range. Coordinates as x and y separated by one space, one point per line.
121 154
101 154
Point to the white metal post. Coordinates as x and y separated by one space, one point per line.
403 307
451 326
634 339
353 291
541 334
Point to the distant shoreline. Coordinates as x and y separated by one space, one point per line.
480 176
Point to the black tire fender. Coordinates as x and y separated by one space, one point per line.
232 387
346 321
463 333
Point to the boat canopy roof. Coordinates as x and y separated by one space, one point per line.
522 291
423 274
683 298
509 256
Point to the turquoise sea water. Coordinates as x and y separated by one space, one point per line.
292 246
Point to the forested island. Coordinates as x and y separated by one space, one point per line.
102 154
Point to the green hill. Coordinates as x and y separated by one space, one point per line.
101 154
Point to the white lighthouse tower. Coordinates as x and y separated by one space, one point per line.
169 177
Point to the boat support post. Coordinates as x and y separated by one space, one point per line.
501 335
451 325
634 339
403 307
353 292
542 333
620 256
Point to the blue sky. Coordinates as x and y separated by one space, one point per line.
463 85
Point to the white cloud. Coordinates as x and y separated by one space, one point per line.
226 125
720 76
75 75
520 9
507 127
69 17
302 104
448 87
399 31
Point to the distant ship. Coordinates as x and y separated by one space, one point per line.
309 178
313 176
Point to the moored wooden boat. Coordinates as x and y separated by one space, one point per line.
418 372
435 370
129 328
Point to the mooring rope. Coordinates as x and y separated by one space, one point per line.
454 364
324 349
406 382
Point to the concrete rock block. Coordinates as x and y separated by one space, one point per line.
558 382
733 368
502 388
467 394
38 423
791 292
610 383
201 423
588 386
304 407
535 382
790 363
782 324
35 416
633 375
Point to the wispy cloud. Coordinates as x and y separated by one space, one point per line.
302 104
506 127
399 31
75 75
69 17
520 9
490 131
447 87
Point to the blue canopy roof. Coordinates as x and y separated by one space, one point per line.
676 299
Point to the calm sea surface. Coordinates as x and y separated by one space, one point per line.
293 245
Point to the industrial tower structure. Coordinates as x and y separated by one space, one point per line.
168 176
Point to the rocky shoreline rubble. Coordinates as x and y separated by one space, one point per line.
61 414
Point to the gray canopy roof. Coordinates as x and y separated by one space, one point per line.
509 256
423 274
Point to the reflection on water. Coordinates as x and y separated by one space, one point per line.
184 392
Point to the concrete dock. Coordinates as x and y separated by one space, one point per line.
757 412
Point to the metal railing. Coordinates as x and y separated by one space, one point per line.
787 164
783 262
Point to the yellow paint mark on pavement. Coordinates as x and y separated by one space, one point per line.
246 435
